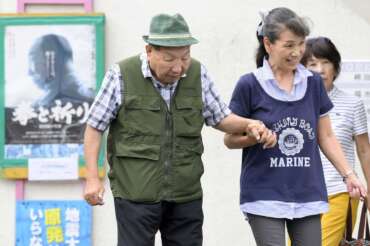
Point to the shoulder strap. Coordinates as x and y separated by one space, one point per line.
364 225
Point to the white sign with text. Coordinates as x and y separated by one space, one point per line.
53 168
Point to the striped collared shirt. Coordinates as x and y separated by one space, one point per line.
109 98
348 119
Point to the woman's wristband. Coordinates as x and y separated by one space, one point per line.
346 175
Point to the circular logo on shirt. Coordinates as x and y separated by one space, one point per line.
290 141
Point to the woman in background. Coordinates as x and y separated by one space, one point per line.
348 118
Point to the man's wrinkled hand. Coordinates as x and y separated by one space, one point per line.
94 191
254 129
261 133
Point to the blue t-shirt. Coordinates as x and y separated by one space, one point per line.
292 170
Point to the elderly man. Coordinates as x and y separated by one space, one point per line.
155 105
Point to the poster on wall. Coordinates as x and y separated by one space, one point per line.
60 223
47 86
355 79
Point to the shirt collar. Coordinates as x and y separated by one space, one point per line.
147 73
301 73
333 92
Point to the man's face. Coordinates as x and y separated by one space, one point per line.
168 64
37 69
42 68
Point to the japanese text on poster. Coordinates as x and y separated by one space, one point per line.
63 223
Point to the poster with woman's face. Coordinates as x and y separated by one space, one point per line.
50 78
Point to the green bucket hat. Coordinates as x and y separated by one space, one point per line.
169 31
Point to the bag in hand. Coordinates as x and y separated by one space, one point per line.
348 240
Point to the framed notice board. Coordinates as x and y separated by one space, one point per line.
51 66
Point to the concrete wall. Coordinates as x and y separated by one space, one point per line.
226 30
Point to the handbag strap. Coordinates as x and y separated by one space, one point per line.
364 224
348 235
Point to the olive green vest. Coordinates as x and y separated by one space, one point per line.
155 152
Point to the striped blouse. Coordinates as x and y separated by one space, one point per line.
348 119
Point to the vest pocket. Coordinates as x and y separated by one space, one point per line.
188 119
138 150
188 168
141 102
143 115
136 170
187 150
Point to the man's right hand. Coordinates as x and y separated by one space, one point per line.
94 191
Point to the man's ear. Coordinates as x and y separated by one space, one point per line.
148 49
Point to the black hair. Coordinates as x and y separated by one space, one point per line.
322 47
276 21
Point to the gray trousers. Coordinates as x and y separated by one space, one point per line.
271 231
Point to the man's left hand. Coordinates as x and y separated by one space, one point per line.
261 133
